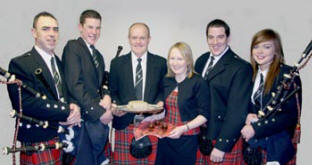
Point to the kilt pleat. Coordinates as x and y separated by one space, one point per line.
121 154
235 157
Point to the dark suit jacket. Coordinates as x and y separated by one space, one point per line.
230 88
82 79
122 88
49 109
283 120
274 132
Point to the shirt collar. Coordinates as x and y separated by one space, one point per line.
43 54
216 58
135 58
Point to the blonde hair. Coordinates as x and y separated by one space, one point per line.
186 53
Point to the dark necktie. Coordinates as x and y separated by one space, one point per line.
95 57
56 77
138 80
258 94
209 68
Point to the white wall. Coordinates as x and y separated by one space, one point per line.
170 21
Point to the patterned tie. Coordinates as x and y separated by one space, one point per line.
209 68
57 79
95 57
138 80
258 94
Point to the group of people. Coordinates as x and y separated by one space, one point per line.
220 92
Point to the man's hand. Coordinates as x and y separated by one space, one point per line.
107 117
117 112
106 102
74 117
216 155
248 132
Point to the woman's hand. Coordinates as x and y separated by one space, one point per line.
177 132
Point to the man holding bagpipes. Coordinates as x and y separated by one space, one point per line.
43 96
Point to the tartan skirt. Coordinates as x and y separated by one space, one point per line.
122 155
46 157
235 157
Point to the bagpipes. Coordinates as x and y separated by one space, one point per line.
40 147
11 79
252 155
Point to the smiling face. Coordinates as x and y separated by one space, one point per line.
90 30
177 63
217 40
263 53
139 39
46 33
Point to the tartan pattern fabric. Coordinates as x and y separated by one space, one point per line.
46 157
173 113
122 156
235 157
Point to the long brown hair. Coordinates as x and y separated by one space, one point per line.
262 36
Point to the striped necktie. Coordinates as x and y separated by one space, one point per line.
95 57
258 94
139 80
57 78
209 68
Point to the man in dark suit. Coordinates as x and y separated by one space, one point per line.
41 70
135 76
229 79
84 69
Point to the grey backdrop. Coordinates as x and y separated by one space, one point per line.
170 21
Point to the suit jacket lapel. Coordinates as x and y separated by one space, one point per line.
127 70
149 75
60 68
220 65
47 79
203 63
88 56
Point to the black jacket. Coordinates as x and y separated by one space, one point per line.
193 96
82 79
286 119
122 88
230 88
46 109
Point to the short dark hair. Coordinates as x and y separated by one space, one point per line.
42 14
218 23
89 14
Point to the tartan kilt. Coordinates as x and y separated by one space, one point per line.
108 150
235 157
46 157
121 154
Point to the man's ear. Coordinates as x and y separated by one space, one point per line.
34 32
